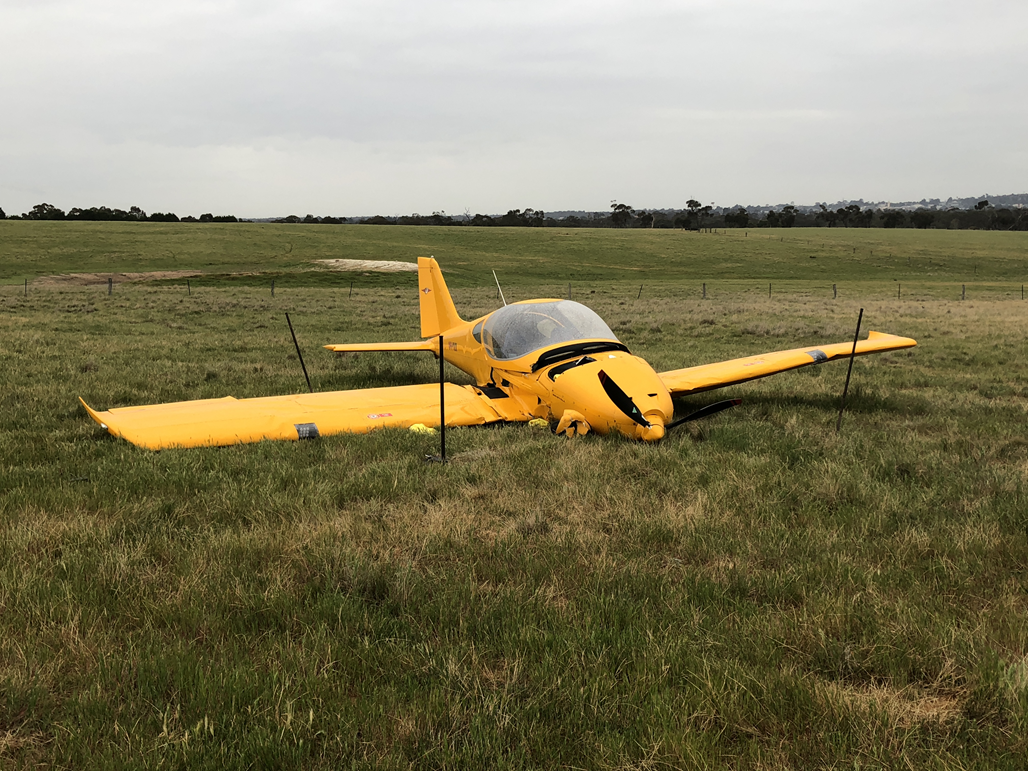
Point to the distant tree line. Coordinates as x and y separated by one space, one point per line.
981 216
695 216
45 211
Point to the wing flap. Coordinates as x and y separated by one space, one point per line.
220 422
707 377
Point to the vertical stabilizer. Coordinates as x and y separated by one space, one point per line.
437 311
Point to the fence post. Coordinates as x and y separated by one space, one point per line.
963 291
835 293
110 286
704 291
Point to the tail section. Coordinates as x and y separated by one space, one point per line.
438 313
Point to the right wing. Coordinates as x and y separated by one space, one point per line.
220 422
707 377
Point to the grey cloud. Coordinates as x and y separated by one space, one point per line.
862 99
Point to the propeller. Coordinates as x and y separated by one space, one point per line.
705 412
624 403
622 400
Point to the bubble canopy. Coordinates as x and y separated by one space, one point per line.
516 330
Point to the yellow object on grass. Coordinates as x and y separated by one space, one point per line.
539 361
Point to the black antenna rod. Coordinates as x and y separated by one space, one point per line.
309 388
442 405
853 354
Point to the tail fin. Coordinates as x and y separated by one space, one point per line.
438 313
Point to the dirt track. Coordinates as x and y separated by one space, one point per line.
84 279
372 266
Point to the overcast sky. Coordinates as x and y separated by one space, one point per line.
266 108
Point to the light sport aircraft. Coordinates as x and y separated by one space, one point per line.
554 360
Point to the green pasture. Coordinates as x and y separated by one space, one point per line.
756 591
528 256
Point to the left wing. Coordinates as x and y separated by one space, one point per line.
220 422
707 377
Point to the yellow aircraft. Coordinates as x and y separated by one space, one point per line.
554 360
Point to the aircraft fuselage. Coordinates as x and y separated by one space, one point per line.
562 381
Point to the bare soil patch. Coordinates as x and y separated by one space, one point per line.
85 279
375 266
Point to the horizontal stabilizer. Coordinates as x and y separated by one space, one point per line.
431 345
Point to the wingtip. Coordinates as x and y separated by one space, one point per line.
902 342
93 414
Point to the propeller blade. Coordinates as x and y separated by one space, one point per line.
705 412
622 400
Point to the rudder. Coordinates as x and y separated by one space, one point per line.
438 313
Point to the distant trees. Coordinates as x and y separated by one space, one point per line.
785 218
104 214
44 211
922 218
696 216
981 215
850 216
621 215
529 218
739 218
826 216
894 218
1004 220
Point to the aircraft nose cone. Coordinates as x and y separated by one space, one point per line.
655 431
618 392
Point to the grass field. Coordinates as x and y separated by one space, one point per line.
755 592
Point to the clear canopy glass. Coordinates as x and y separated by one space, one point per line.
516 330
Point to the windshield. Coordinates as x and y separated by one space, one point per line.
516 330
